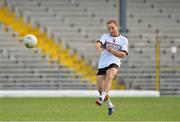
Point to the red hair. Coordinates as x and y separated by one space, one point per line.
112 21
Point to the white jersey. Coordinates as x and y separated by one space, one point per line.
119 43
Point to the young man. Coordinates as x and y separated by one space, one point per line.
112 48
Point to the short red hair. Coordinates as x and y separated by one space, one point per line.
112 21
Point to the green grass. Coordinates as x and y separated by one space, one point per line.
78 109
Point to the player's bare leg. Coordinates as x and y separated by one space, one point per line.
110 74
100 84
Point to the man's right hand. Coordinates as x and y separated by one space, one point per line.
98 47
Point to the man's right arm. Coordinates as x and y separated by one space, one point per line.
98 46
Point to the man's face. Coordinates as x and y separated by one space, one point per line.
113 29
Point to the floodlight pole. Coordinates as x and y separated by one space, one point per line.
122 17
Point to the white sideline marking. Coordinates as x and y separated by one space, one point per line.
77 93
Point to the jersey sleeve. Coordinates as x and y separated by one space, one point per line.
125 46
103 39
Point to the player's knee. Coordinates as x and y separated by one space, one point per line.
110 76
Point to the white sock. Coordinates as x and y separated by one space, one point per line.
99 92
103 95
109 103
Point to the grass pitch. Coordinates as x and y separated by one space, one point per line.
84 109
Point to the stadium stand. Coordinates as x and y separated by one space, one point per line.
148 19
78 23
26 69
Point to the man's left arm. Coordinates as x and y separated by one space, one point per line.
117 53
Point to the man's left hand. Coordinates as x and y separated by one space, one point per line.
109 48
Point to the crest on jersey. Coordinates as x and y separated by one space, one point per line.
114 40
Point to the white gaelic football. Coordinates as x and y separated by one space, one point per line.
30 41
